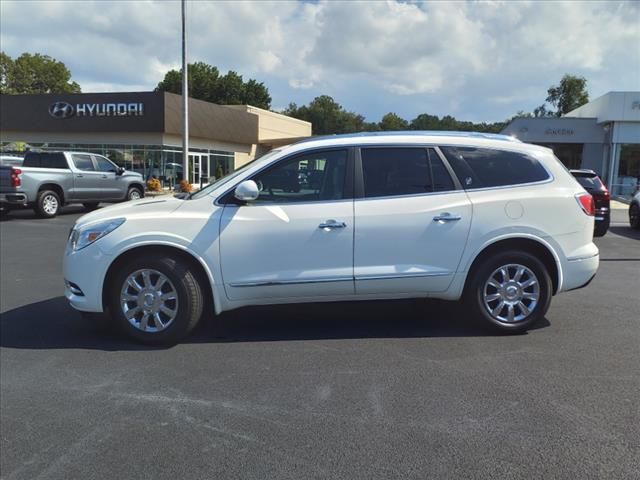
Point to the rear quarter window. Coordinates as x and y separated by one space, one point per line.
45 160
483 167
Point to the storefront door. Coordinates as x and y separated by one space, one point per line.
198 169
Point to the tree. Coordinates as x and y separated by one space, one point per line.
569 95
391 121
6 65
31 74
327 116
206 83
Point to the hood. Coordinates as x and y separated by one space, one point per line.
159 206
129 173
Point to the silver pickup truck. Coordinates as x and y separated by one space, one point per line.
48 180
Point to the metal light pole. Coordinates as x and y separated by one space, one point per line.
185 97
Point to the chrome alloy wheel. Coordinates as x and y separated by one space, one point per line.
149 301
511 293
135 195
50 204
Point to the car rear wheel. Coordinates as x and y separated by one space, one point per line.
600 230
634 216
47 204
509 291
156 300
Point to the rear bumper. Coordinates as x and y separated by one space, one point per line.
578 272
14 198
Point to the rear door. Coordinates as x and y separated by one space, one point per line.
412 221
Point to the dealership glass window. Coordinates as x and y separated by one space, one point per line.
627 179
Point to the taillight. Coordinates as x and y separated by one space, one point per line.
15 177
606 192
587 204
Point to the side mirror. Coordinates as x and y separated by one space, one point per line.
246 191
120 171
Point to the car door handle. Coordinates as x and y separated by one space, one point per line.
446 217
79 175
331 224
104 176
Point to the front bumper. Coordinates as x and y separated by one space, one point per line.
84 273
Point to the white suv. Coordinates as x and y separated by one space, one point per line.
484 218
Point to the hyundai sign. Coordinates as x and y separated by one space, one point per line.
66 110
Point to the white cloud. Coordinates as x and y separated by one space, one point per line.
483 61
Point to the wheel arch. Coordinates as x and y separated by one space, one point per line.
534 246
202 270
52 186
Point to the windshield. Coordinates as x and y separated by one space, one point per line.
210 188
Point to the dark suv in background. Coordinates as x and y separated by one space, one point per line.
591 182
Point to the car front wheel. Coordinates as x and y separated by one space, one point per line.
510 291
156 300
134 193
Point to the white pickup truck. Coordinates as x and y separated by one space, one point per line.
48 180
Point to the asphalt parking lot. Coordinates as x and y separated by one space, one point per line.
385 390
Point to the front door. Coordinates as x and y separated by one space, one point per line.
87 182
411 224
112 186
296 239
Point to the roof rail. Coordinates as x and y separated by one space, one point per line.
416 133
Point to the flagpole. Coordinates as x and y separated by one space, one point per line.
185 97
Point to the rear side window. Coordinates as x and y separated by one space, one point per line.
589 183
82 162
403 171
482 167
45 160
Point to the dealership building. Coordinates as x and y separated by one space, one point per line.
603 135
142 131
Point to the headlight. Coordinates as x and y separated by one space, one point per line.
85 236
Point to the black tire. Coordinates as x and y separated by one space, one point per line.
481 274
600 230
634 216
47 204
90 207
4 212
189 305
135 193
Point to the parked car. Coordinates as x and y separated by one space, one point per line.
634 211
10 160
484 218
48 180
592 183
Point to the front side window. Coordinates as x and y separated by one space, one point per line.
82 162
104 165
403 171
483 167
310 177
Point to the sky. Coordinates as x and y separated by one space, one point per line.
477 61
